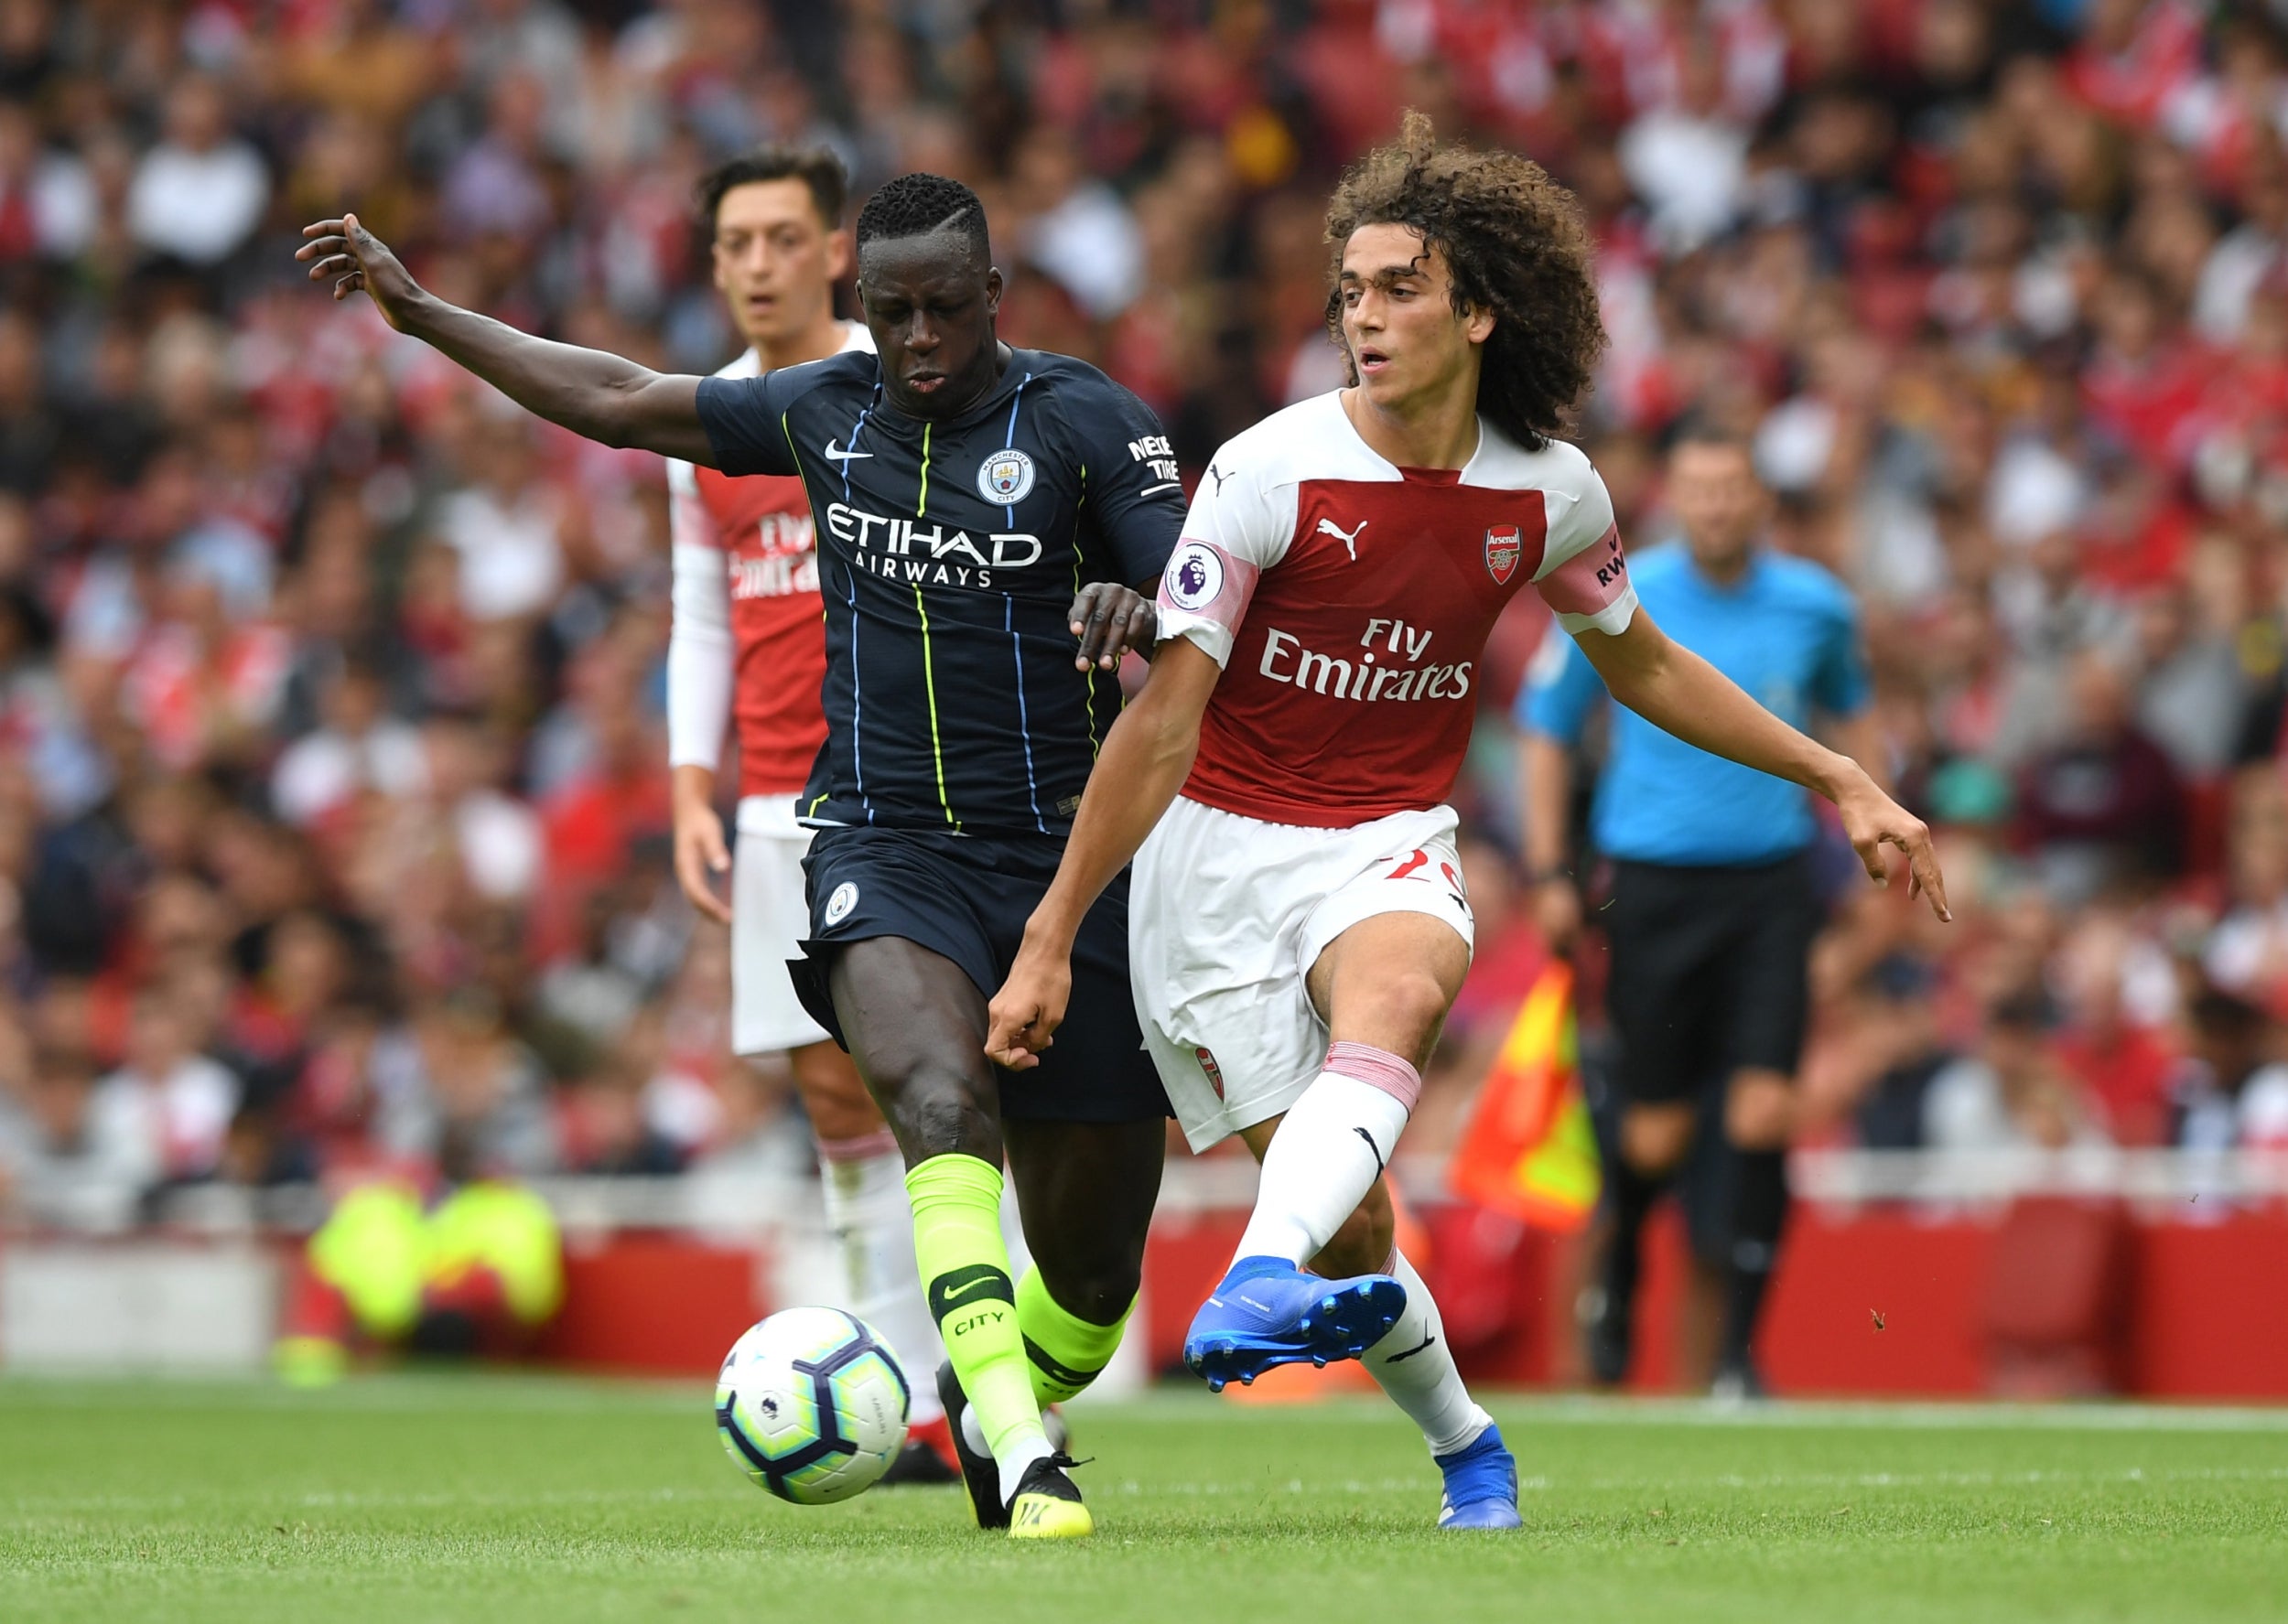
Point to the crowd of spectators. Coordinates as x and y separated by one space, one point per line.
332 788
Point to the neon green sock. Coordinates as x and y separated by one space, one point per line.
964 1265
1066 1352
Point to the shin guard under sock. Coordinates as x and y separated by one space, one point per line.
964 1267
1064 1352
1633 1196
1759 1213
1328 1151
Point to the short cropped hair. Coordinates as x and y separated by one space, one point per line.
915 205
1696 429
815 166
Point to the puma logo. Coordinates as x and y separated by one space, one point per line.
836 454
1349 538
1375 1149
1219 476
1409 1353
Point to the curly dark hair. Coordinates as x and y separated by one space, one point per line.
1516 245
915 205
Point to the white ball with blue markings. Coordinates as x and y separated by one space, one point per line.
812 1405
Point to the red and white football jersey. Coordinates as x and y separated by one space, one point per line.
1348 601
762 525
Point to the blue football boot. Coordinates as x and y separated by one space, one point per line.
1481 1485
1269 1312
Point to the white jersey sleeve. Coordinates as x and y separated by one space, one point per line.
1583 576
1241 522
702 648
700 656
700 652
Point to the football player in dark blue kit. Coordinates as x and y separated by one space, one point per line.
978 508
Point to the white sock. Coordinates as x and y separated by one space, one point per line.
1327 1154
1416 1367
973 1431
1012 1466
864 1182
1018 1461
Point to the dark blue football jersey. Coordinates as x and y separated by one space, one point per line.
949 553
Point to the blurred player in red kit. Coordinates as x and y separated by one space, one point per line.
1298 925
749 645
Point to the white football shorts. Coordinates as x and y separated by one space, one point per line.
1226 915
770 915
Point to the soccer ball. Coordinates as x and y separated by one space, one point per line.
812 1405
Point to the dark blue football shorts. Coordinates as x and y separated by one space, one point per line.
967 897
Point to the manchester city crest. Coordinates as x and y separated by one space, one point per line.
1005 477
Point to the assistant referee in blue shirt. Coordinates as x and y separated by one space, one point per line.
1712 905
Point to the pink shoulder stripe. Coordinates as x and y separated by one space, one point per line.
1204 580
1591 580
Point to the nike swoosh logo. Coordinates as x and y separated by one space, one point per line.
957 1288
836 454
1409 1353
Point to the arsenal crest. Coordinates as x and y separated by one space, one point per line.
1215 1072
1502 548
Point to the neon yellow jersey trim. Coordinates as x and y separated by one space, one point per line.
929 684
1077 506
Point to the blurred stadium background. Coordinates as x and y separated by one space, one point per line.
333 800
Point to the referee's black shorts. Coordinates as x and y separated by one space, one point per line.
1709 971
967 897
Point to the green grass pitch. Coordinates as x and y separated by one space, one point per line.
502 1499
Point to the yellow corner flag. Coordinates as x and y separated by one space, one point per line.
1529 1151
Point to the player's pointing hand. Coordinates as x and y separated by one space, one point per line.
1110 619
355 258
1873 820
1025 1014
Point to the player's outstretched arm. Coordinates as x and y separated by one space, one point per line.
1678 692
1147 757
598 395
1546 792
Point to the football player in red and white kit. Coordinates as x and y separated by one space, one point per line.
1298 922
749 642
